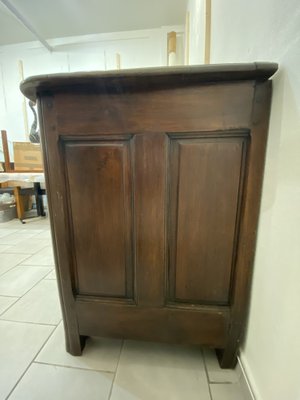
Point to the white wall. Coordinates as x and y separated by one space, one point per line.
269 30
143 48
196 10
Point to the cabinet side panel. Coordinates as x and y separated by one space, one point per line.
204 200
99 185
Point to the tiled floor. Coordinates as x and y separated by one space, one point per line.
33 361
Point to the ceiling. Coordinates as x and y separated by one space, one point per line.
62 18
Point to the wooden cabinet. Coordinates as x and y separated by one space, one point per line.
154 180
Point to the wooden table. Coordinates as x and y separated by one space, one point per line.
23 184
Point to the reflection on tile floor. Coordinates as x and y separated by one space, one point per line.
34 364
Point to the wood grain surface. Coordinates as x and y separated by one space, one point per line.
154 180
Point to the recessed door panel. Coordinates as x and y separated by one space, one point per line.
98 175
205 186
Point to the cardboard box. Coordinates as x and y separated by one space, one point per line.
28 156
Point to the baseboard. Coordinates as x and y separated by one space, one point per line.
244 381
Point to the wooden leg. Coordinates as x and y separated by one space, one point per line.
39 200
227 357
19 203
75 343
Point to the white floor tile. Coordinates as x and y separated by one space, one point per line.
4 247
19 344
45 235
6 302
52 275
30 229
14 223
226 391
42 223
18 280
8 261
33 224
15 238
39 305
6 231
48 382
42 257
217 374
28 246
99 353
160 372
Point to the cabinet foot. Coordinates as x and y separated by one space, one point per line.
227 358
75 344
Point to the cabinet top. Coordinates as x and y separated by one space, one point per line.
146 78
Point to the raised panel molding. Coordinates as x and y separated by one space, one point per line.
98 174
205 191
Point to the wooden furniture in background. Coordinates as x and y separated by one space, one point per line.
207 42
5 148
154 179
27 156
187 39
171 48
24 107
22 194
16 187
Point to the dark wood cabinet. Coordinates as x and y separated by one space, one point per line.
154 179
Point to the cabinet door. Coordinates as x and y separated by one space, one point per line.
205 185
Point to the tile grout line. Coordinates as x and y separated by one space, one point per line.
47 245
28 256
115 375
56 327
20 297
6 309
20 231
61 366
50 334
37 266
31 235
28 322
73 367
244 380
207 375
20 241
12 233
32 361
17 265
31 254
50 279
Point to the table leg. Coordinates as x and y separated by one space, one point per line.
39 199
19 203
